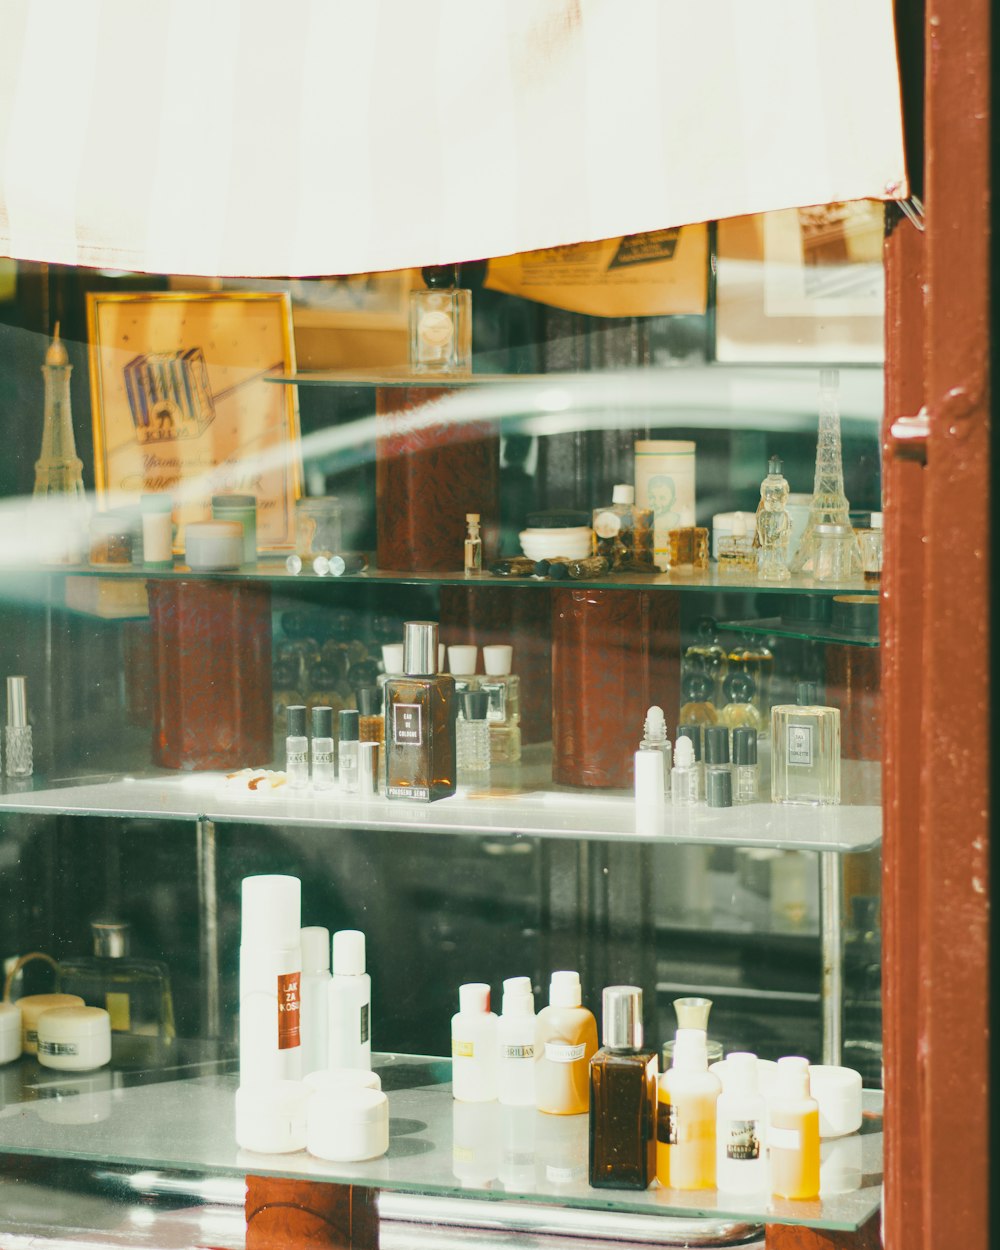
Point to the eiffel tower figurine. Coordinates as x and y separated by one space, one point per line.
59 494
829 503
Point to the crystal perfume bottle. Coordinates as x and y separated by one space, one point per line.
420 721
654 738
504 690
441 324
773 525
473 546
805 748
707 656
745 769
623 533
17 732
740 709
698 706
622 1096
737 557
135 993
473 737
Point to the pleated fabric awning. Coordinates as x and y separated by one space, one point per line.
290 137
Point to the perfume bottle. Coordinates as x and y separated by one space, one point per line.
622 1096
746 780
774 526
697 706
474 1046
718 776
17 732
565 1042
793 1132
135 993
654 738
420 721
740 708
805 764
296 747
741 1162
688 548
706 656
347 751
324 770
870 541
686 1116
516 1044
441 324
473 737
694 734
349 1002
623 533
684 774
371 723
473 546
756 661
504 690
462 663
736 554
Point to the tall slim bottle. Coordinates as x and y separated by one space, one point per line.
516 1044
565 1042
350 998
622 1096
741 1121
420 721
685 1116
270 979
793 1132
315 943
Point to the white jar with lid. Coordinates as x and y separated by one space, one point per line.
347 1125
837 1090
213 545
32 1006
74 1039
271 1116
10 1032
334 1080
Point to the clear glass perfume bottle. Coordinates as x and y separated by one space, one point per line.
745 769
740 708
774 526
504 690
693 733
17 731
737 557
805 766
684 774
698 705
623 533
622 1096
296 747
706 656
473 737
473 546
371 723
348 758
420 721
756 661
324 771
871 541
654 738
135 993
441 324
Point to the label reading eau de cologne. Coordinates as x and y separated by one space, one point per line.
799 746
406 724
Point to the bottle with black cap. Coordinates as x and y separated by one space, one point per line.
441 323
622 1096
347 751
324 769
420 721
296 747
805 738
718 775
473 736
746 779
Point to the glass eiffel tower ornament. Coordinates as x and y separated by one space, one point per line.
58 470
829 503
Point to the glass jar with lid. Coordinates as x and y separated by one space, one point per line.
318 527
833 558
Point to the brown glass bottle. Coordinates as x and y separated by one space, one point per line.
420 721
371 723
622 1097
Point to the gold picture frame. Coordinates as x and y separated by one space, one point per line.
180 403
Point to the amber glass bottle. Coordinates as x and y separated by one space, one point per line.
420 721
371 724
622 1097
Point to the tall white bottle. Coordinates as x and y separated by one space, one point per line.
270 974
474 1046
741 1121
315 942
516 1049
350 997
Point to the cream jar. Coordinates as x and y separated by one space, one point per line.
74 1039
213 545
333 1080
32 1007
347 1125
10 1032
271 1116
838 1092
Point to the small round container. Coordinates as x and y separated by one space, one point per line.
213 545
334 1080
111 538
10 1032
838 1092
318 527
347 1126
833 552
157 531
572 543
243 509
32 1006
271 1116
74 1039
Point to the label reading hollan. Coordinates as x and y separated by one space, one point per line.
288 1011
666 1124
406 727
799 746
365 1016
743 1140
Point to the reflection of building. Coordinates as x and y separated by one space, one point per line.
169 395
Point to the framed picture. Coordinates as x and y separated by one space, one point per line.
802 286
181 406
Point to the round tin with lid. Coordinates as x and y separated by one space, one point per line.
347 1125
271 1116
75 1039
213 545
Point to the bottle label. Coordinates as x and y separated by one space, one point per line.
407 792
462 1050
289 1035
560 1052
666 1124
607 524
497 708
322 757
406 726
799 746
783 1138
365 1023
743 1140
58 1048
526 1051
436 329
117 1007
295 757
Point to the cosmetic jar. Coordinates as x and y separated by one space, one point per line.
347 1125
318 527
74 1039
111 537
838 1092
335 1080
572 542
243 510
10 1032
840 1165
271 1116
32 1007
213 545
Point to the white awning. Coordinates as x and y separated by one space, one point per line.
290 137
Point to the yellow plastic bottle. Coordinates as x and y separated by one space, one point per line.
793 1132
565 1040
685 1116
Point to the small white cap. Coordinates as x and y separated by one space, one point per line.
564 990
838 1092
741 1074
683 753
347 1125
518 997
315 942
649 779
348 953
272 912
343 1078
623 494
392 657
497 659
876 521
271 1116
792 1078
474 997
691 1050
462 660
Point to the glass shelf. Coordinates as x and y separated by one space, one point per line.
437 1146
520 802
808 631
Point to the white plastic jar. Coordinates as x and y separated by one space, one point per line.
347 1125
32 1006
334 1080
10 1032
74 1039
838 1092
271 1116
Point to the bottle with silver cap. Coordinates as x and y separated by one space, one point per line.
622 1096
17 732
420 721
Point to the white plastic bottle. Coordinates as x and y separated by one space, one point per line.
516 1050
350 998
270 975
315 943
654 738
684 775
474 1045
741 1120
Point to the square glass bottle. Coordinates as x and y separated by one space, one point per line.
420 721
623 1096
441 324
504 715
805 744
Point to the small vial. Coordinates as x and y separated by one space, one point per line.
473 546
684 775
654 738
746 778
473 736
296 747
347 756
694 733
324 770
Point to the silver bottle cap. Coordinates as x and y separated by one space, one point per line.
621 1007
420 648
368 767
110 938
17 701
